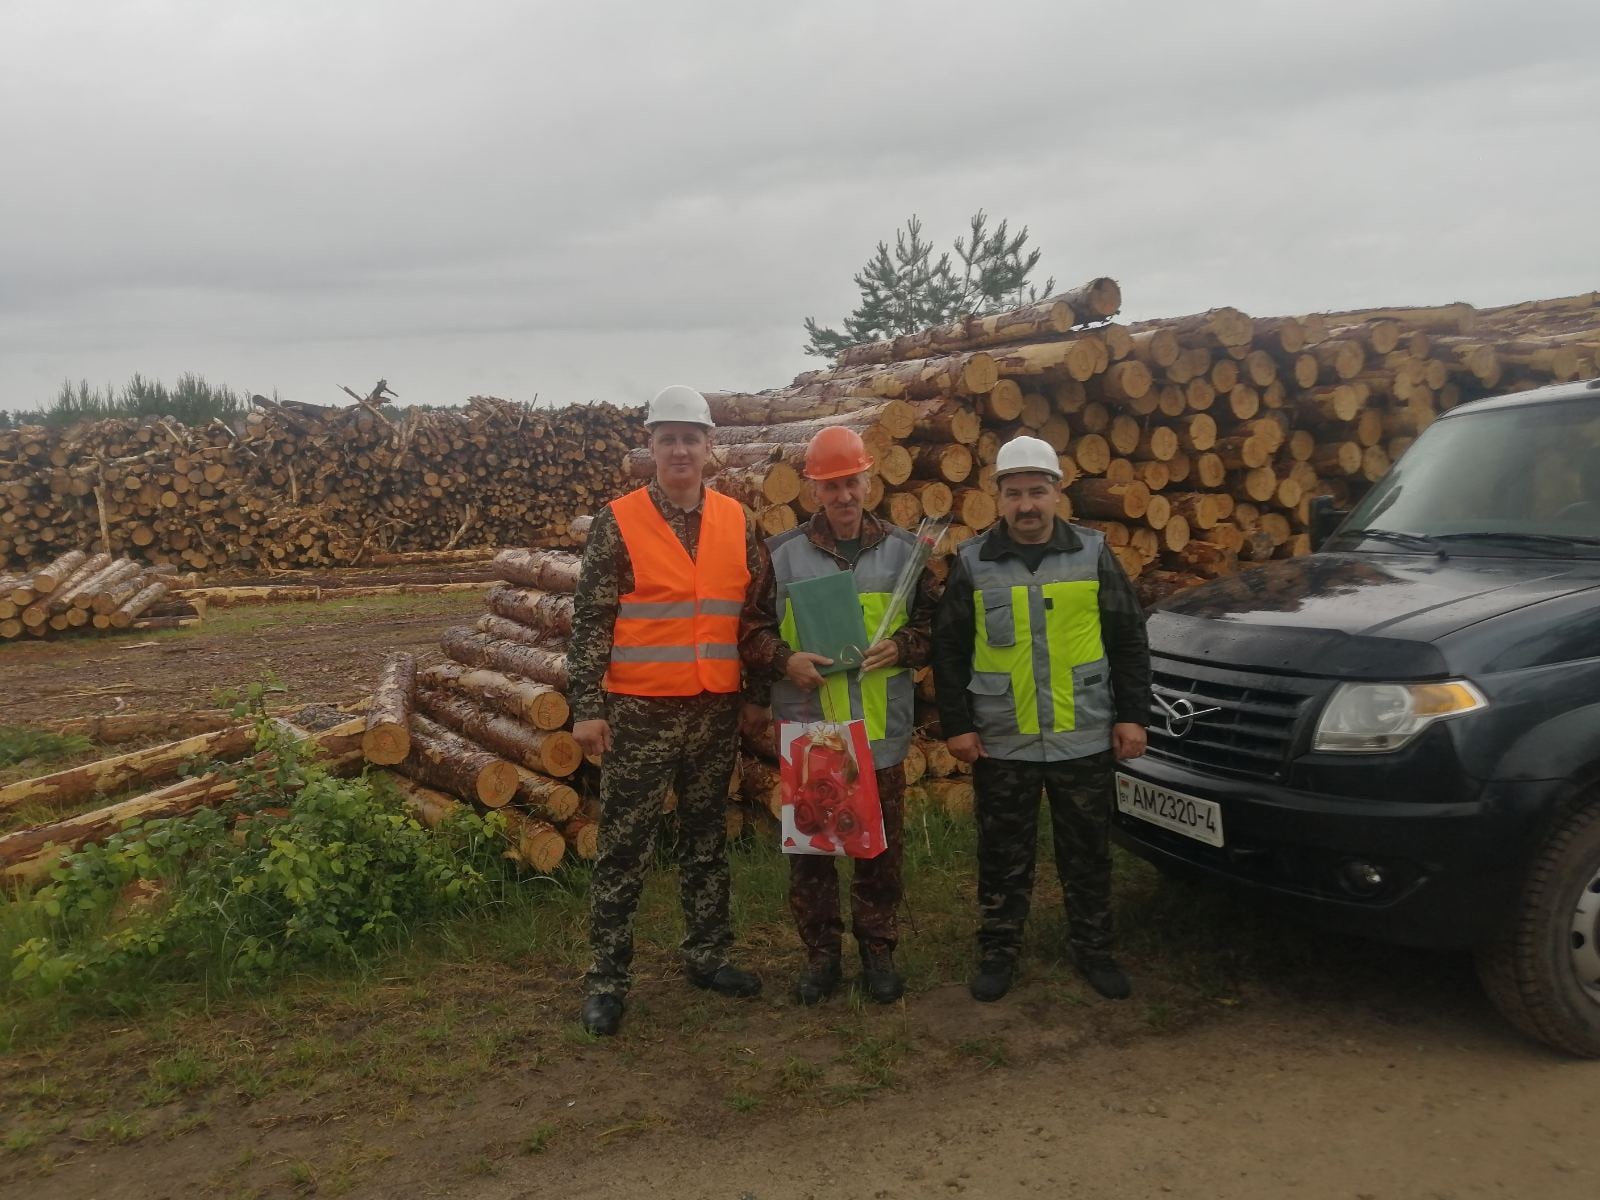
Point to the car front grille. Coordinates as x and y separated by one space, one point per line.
1253 730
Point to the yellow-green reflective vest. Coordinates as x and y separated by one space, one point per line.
1041 684
884 699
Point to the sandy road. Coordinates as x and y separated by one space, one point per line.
1275 1102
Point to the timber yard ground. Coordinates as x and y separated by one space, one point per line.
1257 1058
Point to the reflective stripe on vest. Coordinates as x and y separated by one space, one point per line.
885 699
677 632
1040 680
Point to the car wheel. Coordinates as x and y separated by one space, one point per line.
1543 969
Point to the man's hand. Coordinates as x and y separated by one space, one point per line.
968 747
1127 739
883 654
753 720
593 736
801 669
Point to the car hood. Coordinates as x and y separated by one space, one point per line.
1347 614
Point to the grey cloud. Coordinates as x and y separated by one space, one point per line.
584 201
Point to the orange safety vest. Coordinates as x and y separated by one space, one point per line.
677 632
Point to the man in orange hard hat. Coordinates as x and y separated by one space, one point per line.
843 536
655 688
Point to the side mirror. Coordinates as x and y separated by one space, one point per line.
1325 518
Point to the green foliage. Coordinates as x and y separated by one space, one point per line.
907 290
191 401
18 744
299 868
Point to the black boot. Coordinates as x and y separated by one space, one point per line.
879 980
818 981
993 979
1103 975
601 1015
727 980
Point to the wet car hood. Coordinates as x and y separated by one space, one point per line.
1355 615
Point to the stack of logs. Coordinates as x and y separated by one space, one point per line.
490 726
1195 444
302 485
85 592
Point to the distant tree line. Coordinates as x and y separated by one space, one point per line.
191 401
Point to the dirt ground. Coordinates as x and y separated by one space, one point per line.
1384 1080
328 652
1416 1091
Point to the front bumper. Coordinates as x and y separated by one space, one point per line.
1449 869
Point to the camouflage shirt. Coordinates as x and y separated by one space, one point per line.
607 576
764 651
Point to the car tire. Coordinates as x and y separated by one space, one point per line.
1542 970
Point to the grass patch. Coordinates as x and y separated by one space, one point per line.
539 1140
21 747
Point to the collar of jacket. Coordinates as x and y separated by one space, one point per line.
997 542
820 534
665 505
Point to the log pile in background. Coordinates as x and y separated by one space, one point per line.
1194 444
89 593
304 485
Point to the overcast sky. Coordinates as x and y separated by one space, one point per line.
589 200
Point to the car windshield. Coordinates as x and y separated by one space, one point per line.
1505 474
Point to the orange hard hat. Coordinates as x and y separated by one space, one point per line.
836 452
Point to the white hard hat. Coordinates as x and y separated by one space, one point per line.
1027 454
679 403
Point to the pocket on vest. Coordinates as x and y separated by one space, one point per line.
994 708
999 621
1091 695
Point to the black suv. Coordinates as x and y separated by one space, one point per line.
1400 734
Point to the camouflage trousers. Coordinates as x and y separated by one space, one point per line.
1007 805
875 887
688 745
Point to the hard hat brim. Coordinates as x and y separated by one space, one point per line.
843 473
1056 474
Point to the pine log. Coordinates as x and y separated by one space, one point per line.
547 570
549 798
512 658
496 626
1094 301
128 611
582 836
539 704
1129 380
28 855
974 507
1077 356
51 576
442 759
551 752
548 612
387 738
761 785
138 767
1111 501
950 463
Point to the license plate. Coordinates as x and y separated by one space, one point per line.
1188 815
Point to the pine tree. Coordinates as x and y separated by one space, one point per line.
908 289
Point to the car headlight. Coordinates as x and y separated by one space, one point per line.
1373 717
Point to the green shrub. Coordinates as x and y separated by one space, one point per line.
299 868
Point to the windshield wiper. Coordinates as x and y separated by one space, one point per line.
1532 540
1419 540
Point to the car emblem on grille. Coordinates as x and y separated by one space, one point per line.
1181 714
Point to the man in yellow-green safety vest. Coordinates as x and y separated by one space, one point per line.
1042 669
842 536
